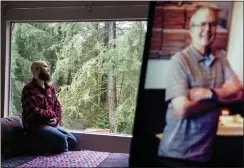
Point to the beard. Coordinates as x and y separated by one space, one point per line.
44 75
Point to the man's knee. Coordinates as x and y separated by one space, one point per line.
61 143
72 142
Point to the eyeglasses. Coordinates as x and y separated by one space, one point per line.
205 24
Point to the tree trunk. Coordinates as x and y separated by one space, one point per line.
69 78
104 85
112 97
97 76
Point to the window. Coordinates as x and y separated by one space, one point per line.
95 68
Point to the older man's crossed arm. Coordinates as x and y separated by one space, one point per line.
198 100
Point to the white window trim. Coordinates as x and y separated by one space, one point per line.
75 13
7 68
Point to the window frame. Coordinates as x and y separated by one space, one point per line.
66 12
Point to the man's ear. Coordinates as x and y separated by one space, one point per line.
38 70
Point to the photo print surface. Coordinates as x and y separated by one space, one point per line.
190 55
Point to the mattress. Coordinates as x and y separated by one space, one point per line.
84 158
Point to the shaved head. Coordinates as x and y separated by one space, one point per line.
40 71
37 64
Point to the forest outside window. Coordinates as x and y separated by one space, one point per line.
95 68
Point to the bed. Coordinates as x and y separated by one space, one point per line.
13 145
84 158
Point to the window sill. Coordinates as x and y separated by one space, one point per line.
99 133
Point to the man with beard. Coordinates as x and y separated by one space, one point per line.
200 79
42 113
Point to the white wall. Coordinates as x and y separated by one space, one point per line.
156 73
235 46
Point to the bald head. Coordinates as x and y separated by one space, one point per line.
37 64
40 71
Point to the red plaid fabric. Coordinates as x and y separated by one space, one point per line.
39 105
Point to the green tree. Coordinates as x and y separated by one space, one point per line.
81 62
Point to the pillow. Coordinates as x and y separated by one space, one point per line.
12 137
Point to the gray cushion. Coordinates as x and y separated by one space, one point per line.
12 137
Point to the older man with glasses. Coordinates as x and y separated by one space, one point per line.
200 80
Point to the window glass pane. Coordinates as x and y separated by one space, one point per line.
95 68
